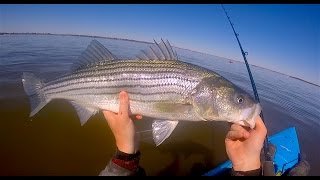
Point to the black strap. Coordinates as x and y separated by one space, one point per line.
255 172
125 156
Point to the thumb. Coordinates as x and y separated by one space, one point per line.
260 128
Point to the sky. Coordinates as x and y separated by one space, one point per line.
280 37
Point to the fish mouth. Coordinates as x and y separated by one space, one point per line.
249 117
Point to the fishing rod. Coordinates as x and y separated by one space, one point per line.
256 96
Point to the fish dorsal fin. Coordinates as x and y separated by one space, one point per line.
84 113
161 130
158 51
95 52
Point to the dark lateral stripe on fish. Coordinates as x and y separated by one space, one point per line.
127 63
139 67
134 99
173 76
119 65
130 93
110 73
115 87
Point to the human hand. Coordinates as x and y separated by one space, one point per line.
123 127
244 145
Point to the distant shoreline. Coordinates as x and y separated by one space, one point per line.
78 35
304 80
92 36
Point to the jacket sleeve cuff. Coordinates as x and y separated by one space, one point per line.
255 172
127 161
123 164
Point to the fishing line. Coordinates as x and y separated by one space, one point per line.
146 134
256 96
144 131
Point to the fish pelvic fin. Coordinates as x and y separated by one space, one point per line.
32 86
161 130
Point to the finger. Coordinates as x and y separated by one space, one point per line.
138 116
236 127
260 126
240 129
259 123
234 135
124 103
109 115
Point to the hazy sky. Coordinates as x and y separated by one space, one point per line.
284 38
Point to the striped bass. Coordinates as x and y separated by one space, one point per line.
159 86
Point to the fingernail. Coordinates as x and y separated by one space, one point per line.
138 117
122 95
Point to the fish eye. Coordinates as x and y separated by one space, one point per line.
240 99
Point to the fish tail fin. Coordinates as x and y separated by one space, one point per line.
32 86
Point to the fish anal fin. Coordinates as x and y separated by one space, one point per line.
84 113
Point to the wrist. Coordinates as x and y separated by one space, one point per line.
247 164
126 147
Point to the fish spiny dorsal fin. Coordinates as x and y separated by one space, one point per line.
158 51
95 52
161 49
173 53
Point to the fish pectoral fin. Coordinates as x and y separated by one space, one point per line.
84 113
161 130
95 52
158 51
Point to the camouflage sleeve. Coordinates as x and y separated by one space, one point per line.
113 169
123 164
